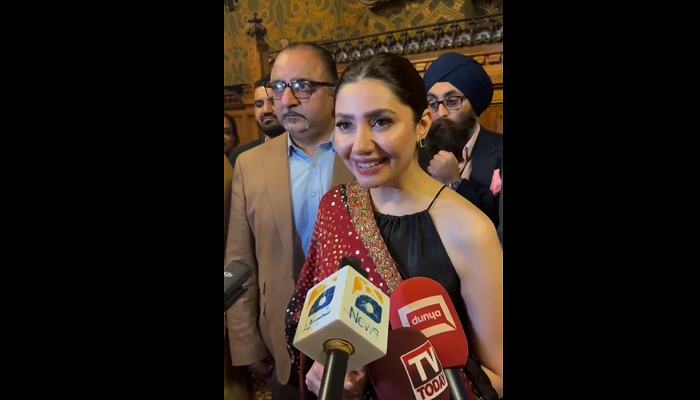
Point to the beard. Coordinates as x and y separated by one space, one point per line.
272 129
295 123
450 136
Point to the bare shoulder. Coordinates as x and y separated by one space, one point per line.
472 244
459 220
470 238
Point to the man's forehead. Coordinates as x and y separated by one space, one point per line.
297 64
442 89
260 94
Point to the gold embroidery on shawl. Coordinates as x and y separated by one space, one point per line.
362 214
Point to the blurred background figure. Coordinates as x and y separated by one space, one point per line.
231 138
270 127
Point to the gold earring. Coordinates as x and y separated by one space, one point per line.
423 143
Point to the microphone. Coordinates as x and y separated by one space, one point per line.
424 305
344 326
235 275
411 369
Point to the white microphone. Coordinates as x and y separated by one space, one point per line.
344 326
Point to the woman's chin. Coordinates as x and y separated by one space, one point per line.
370 183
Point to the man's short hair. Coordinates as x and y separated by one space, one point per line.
326 57
262 82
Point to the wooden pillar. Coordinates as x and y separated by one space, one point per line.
258 49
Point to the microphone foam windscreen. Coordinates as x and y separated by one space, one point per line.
411 369
424 305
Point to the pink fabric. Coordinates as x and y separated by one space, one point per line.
467 155
497 183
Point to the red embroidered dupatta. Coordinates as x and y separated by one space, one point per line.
345 228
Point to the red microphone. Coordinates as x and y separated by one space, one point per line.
411 369
424 305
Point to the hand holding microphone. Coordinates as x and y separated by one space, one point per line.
344 326
355 382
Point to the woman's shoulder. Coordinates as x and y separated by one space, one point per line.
469 236
460 219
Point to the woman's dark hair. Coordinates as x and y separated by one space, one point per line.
234 129
397 73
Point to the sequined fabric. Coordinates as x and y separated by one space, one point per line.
261 391
345 228
359 206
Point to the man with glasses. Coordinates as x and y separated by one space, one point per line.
277 190
460 152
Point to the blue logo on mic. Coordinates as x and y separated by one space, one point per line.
323 301
370 307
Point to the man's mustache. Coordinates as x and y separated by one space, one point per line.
293 115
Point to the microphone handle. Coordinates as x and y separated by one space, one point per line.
333 383
456 384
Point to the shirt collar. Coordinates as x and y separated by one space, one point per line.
329 145
469 148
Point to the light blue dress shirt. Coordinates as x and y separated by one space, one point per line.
311 179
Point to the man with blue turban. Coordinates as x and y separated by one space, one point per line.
460 152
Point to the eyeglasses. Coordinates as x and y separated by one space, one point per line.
453 103
300 89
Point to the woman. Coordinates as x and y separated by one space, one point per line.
397 219
231 138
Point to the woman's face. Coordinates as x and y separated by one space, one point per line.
376 135
228 137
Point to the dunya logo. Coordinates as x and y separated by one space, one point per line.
430 316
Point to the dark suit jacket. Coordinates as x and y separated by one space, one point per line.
234 156
488 157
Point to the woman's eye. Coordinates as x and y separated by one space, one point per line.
343 125
382 123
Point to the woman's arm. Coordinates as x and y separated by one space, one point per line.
473 246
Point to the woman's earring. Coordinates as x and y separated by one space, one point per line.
423 143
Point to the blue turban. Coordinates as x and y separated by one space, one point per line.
467 75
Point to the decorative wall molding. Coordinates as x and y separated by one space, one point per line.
374 3
232 101
477 33
231 5
480 38
255 28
